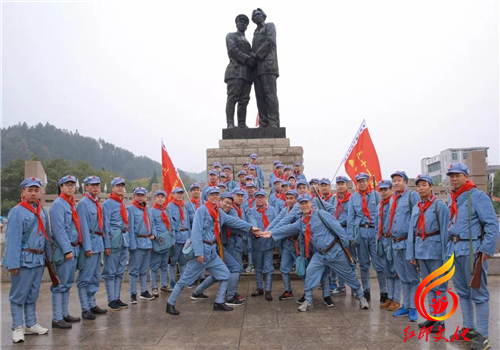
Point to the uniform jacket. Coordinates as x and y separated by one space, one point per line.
264 47
355 215
87 211
238 50
137 226
259 243
113 222
182 229
402 216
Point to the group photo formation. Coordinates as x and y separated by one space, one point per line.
320 222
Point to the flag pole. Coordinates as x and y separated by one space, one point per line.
346 154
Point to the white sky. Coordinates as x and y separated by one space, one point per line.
424 75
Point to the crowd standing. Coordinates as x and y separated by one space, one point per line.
404 235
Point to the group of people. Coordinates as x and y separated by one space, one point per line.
405 235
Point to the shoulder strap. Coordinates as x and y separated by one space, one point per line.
410 206
326 225
469 208
437 215
29 231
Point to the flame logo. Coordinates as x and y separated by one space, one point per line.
423 290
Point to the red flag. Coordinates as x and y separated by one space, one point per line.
362 157
170 178
257 120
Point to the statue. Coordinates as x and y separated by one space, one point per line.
266 71
238 76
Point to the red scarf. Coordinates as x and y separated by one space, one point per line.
41 226
164 216
340 202
296 173
99 210
394 206
123 210
144 213
180 205
265 220
282 177
305 220
197 202
74 215
365 203
280 196
330 195
469 185
250 202
212 184
421 219
238 210
213 210
381 214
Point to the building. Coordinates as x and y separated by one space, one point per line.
436 166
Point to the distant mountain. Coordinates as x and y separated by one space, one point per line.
47 142
198 177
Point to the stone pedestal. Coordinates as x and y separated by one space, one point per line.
235 152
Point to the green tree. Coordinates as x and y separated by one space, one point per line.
55 169
12 176
496 191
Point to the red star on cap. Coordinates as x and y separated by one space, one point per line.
93 177
418 177
33 178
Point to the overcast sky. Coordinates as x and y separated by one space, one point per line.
424 75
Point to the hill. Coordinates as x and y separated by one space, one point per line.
47 142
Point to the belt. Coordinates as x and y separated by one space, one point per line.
436 233
456 239
399 239
184 229
143 236
343 225
329 248
367 226
74 244
208 242
124 230
34 251
99 233
386 235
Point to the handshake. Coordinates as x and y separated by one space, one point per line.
251 60
257 233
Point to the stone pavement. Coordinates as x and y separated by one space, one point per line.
259 325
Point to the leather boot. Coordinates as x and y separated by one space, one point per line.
171 310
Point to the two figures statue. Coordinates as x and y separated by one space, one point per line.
257 63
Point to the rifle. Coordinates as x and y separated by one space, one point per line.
335 236
475 281
52 273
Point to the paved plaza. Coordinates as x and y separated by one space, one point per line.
258 325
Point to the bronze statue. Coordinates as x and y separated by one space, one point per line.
238 76
266 70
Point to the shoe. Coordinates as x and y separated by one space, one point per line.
471 335
88 315
383 297
121 304
61 324
302 299
342 291
320 287
286 296
257 292
426 324
18 334
306 305
239 297
146 296
113 306
334 291
192 286
133 298
353 294
368 295
363 304
234 302
333 287
166 289
250 268
231 126
172 310
71 319
413 315
98 311
198 296
435 327
222 307
480 342
402 312
386 304
172 285
155 292
269 296
36 329
328 301
394 306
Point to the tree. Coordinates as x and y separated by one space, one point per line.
153 180
12 176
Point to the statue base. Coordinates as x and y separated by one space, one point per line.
253 133
235 152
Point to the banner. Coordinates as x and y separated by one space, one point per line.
169 176
362 157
